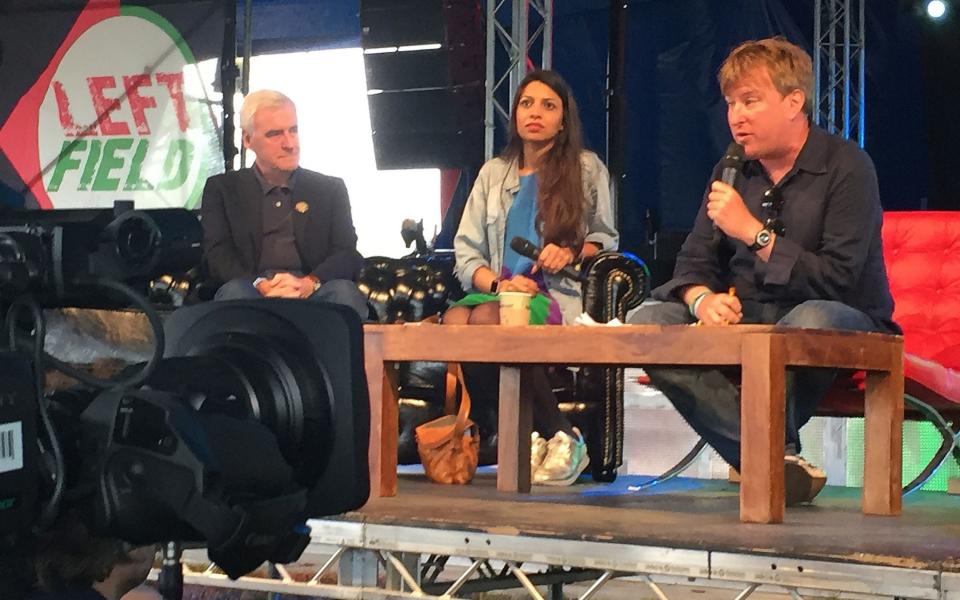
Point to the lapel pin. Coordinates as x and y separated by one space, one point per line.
301 207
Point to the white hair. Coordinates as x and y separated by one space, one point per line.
254 101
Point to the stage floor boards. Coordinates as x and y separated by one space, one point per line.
685 513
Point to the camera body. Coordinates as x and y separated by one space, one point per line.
19 477
52 253
252 419
256 420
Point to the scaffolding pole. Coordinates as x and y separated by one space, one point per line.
839 67
515 28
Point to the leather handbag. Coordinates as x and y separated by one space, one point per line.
449 446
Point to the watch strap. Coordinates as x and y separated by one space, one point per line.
757 245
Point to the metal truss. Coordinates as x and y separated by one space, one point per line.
361 560
838 65
516 30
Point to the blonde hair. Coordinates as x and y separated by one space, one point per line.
788 65
254 101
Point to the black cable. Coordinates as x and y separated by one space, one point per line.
41 359
49 511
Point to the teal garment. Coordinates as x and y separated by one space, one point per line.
521 222
479 241
539 305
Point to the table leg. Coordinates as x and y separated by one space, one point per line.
384 418
762 414
513 442
883 442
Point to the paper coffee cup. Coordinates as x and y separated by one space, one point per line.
515 308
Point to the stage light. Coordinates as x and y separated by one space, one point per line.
936 9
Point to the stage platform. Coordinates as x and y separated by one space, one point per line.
691 514
684 532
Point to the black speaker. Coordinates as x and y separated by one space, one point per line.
425 71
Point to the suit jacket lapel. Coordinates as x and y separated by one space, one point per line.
301 210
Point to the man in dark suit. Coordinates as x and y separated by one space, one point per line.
277 230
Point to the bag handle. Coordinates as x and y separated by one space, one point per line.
454 375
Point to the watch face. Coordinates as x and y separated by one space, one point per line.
763 238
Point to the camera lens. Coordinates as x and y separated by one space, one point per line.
136 240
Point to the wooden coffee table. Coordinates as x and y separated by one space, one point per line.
763 352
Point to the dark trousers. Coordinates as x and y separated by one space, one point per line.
710 402
483 381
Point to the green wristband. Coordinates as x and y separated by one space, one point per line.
696 303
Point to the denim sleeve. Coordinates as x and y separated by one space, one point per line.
601 228
470 245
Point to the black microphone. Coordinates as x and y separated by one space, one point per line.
525 247
730 165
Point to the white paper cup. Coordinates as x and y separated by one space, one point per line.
515 308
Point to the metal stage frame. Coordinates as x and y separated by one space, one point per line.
510 27
839 58
381 561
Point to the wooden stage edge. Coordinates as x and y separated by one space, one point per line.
683 514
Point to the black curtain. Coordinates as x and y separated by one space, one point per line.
677 126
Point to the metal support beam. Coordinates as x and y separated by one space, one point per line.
358 567
228 77
484 561
516 29
839 66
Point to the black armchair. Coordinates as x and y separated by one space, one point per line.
422 285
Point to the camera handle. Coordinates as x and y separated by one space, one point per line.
170 580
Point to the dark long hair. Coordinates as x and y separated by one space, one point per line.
560 201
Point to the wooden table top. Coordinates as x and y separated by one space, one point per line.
630 344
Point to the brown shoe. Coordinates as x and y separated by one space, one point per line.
803 481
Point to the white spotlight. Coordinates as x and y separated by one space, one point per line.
936 9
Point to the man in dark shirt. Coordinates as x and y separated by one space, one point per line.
277 230
798 238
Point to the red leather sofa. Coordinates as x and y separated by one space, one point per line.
922 253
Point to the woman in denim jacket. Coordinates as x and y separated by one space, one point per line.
547 189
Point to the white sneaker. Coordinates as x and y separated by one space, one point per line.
565 460
538 451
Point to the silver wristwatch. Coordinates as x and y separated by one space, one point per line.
763 239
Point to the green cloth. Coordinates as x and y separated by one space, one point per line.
539 305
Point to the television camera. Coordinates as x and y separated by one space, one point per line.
249 418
